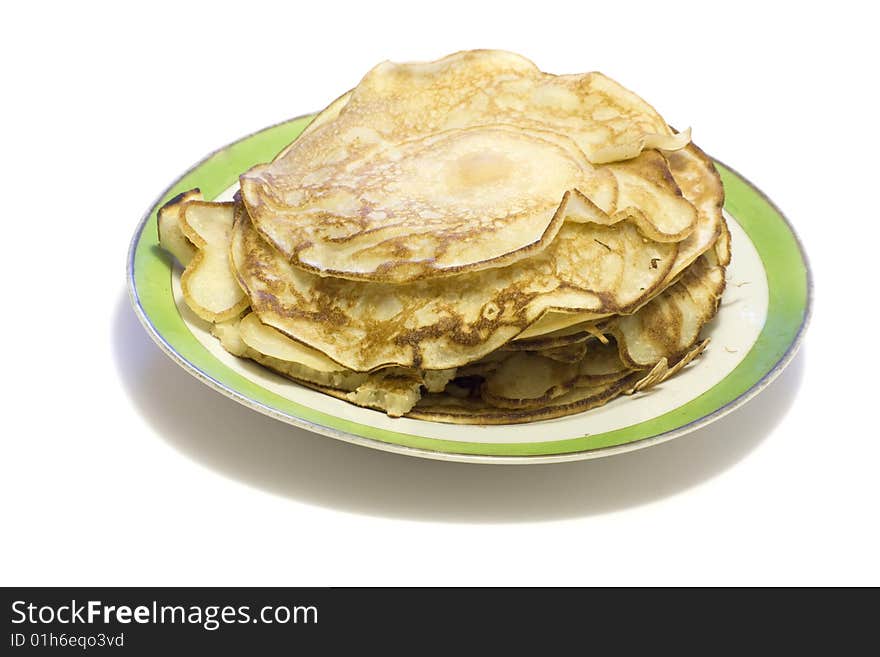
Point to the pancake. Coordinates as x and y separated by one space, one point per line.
664 331
455 409
530 380
699 182
209 286
392 390
171 236
448 408
428 170
671 323
451 321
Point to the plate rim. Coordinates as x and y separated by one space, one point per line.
345 436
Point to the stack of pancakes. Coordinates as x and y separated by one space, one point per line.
468 240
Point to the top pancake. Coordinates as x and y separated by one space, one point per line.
462 164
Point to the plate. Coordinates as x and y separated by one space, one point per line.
764 312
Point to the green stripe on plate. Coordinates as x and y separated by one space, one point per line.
787 276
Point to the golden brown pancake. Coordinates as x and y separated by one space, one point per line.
433 169
451 321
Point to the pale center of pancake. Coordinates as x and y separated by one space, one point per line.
467 180
479 169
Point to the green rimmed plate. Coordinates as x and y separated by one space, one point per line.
764 312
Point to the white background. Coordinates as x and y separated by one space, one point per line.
119 468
